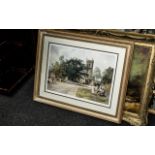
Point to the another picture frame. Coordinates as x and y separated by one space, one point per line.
82 73
140 84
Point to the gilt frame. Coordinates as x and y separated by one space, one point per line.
128 45
141 118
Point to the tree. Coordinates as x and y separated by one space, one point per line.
55 68
71 68
74 68
59 68
63 67
107 76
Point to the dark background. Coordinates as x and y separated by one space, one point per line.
17 57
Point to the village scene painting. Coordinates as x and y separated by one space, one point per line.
81 73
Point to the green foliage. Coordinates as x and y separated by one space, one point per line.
55 68
107 76
62 66
86 94
68 68
74 68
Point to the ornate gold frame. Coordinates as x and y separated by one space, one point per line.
130 35
89 38
141 117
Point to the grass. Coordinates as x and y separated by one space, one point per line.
107 87
86 94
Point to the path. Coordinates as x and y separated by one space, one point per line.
64 88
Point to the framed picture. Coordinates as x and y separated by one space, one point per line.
140 84
82 73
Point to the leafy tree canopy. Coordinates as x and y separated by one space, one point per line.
107 75
68 68
73 69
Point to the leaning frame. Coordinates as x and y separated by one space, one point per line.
83 37
141 117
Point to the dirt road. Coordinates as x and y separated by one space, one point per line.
65 88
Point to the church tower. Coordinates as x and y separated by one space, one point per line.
90 64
